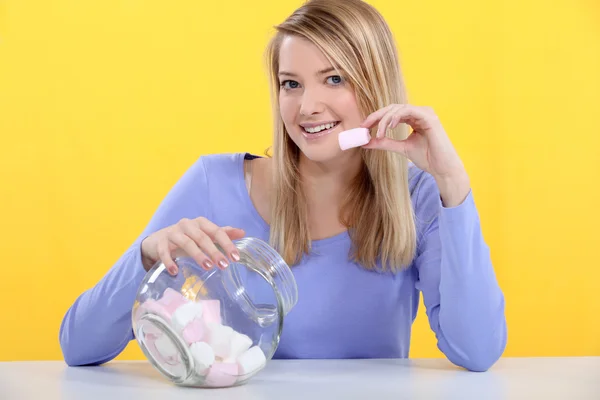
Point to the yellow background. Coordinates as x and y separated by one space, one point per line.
104 104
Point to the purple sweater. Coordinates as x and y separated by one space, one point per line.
343 310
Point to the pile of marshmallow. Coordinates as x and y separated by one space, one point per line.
220 353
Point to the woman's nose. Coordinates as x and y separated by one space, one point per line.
311 103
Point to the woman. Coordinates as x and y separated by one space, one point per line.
364 229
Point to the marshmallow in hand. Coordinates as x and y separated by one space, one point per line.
354 138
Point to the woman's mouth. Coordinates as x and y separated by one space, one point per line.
317 131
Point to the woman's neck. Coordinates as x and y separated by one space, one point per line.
326 184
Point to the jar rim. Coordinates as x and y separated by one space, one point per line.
266 261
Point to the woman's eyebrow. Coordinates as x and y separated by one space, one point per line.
321 72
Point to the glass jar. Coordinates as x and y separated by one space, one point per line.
215 328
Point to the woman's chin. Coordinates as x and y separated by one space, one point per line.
323 154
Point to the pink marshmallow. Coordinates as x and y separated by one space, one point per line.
170 295
193 332
211 311
354 138
221 374
172 299
154 307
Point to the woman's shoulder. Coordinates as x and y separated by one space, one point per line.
214 171
225 162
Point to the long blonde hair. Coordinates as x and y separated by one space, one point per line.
377 210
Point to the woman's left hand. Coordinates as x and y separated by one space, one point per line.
428 147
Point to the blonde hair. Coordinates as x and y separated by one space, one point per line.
377 210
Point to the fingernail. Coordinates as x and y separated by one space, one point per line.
223 264
173 269
207 264
235 256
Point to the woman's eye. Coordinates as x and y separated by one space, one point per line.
335 80
289 84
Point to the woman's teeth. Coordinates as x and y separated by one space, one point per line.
317 129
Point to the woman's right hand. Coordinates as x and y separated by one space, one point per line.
197 238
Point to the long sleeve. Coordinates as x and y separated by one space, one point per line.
97 327
464 302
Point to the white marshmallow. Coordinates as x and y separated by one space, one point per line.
185 313
151 329
165 347
226 342
239 344
219 338
251 360
204 356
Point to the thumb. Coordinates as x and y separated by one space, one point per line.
386 143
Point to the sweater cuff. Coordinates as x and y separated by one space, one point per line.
459 212
139 272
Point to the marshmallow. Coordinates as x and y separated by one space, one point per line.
221 375
219 353
151 329
354 138
227 343
184 314
165 347
212 311
239 344
251 360
219 338
171 295
150 341
194 331
203 355
172 300
151 306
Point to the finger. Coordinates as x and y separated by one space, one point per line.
234 233
223 236
375 116
204 239
397 146
183 241
384 124
207 245
225 241
394 121
206 226
416 117
164 254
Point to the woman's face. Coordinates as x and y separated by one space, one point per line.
315 103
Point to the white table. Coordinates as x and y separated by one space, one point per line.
510 378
